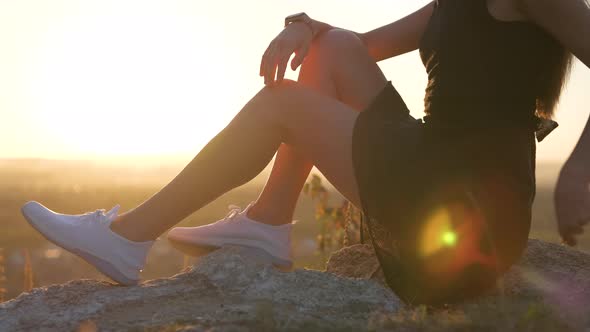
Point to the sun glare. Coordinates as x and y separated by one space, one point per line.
437 233
449 238
89 79
129 84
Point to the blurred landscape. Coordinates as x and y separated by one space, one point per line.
28 260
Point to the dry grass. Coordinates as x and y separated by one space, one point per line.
28 283
2 275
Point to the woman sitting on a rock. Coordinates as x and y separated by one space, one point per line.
447 199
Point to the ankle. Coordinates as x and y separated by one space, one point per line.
119 228
266 216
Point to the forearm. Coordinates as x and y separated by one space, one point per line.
399 37
581 152
394 39
369 39
320 28
404 42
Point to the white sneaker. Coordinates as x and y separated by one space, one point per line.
90 237
239 230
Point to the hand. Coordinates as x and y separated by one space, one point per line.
572 200
295 38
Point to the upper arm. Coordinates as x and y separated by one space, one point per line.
399 37
567 20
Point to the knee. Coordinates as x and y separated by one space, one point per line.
279 92
335 42
284 97
276 101
275 105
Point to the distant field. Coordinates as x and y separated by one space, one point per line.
76 187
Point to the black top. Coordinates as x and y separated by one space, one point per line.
480 66
481 176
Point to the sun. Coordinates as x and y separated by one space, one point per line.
126 85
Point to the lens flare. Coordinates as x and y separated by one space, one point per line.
449 238
434 236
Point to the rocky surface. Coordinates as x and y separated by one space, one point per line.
230 289
552 274
233 289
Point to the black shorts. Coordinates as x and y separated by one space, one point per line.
448 210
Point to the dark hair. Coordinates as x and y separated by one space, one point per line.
554 82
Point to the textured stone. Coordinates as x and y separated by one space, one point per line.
230 289
550 273
356 261
234 289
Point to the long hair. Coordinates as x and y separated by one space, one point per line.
555 81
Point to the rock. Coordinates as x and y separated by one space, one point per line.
550 273
556 275
229 289
356 261
544 267
235 289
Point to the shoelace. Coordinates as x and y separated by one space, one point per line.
234 211
101 215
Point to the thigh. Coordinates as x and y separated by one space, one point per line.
321 128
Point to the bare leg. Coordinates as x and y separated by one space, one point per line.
318 126
338 66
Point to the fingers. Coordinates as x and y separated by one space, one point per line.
572 205
296 62
274 70
275 61
298 58
571 232
569 240
571 225
281 68
262 63
567 236
269 69
266 62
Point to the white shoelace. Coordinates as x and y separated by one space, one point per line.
101 215
234 211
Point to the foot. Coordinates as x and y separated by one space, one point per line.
90 237
239 230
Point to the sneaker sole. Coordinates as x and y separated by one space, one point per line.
202 249
101 265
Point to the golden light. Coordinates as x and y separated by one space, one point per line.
437 233
124 84
449 238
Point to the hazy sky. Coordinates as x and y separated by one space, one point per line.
87 79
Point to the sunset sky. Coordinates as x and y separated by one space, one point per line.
96 79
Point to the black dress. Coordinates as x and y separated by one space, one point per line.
447 200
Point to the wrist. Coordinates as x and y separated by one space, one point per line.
320 28
303 25
302 18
